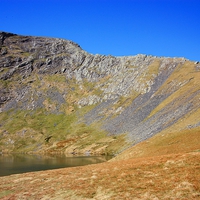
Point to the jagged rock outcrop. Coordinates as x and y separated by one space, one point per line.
139 95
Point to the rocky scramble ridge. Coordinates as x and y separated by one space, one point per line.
138 96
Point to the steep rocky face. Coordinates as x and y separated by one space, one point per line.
138 96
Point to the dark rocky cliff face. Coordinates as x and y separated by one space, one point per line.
137 96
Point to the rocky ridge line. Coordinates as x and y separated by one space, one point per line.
126 90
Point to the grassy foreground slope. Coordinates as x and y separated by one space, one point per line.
168 177
166 166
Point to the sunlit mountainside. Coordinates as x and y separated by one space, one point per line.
57 98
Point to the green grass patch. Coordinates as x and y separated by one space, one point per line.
58 78
26 131
5 193
3 71
5 83
25 54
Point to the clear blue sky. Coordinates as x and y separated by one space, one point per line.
111 27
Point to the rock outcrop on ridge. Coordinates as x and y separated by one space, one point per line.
56 89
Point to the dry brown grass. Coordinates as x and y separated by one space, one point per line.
167 142
184 81
174 176
167 166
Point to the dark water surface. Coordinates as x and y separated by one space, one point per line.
21 163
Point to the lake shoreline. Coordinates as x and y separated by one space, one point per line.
22 163
173 176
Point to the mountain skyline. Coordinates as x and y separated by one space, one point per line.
118 28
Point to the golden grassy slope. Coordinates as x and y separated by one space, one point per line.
167 167
165 143
184 82
169 177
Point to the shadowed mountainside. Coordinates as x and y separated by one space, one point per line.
56 97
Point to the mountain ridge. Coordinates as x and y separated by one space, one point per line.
125 99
